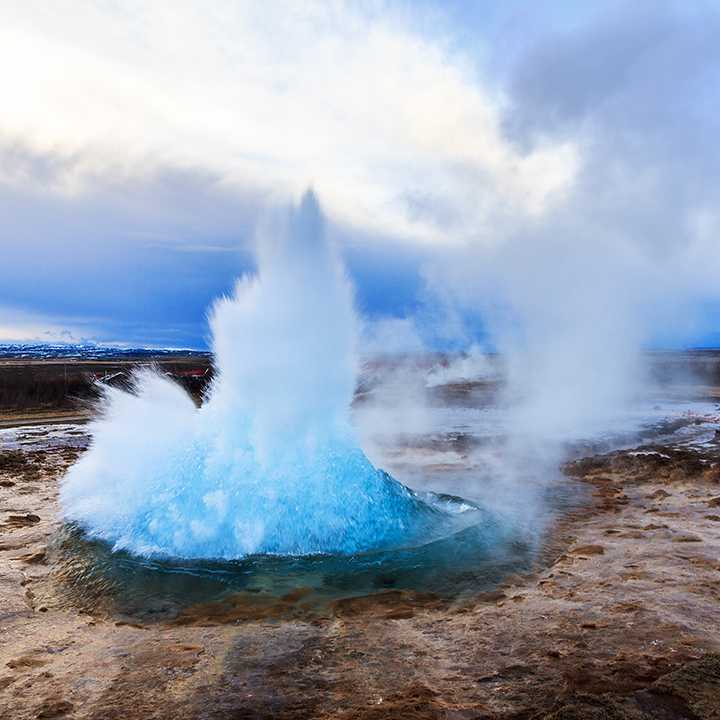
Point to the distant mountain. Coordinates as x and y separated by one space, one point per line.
87 351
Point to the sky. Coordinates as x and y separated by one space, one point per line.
494 172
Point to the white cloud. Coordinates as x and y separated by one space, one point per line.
396 131
18 326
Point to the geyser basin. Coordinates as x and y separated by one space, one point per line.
467 561
270 464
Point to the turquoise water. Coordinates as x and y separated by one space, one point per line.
473 557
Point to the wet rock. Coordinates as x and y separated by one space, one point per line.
588 550
401 613
36 558
712 474
26 662
12 461
632 535
647 464
297 594
416 702
390 605
516 670
697 684
52 708
687 539
647 707
22 520
588 707
689 693
491 596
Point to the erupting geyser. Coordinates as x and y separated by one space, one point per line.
270 462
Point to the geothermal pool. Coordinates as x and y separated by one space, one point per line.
474 559
276 484
494 536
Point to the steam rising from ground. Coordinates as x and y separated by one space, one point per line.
471 366
269 463
627 259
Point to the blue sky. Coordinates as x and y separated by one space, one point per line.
487 169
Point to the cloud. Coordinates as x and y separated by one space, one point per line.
396 130
629 258
144 259
505 171
20 326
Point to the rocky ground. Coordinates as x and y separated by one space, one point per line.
621 620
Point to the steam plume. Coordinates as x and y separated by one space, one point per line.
270 463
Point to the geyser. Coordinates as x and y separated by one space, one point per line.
270 463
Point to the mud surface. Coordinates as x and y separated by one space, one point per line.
620 621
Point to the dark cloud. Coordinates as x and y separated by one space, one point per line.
633 88
142 259
637 91
630 257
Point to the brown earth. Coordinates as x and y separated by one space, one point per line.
61 390
621 622
34 390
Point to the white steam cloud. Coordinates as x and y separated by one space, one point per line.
270 463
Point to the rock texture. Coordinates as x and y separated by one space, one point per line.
621 621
